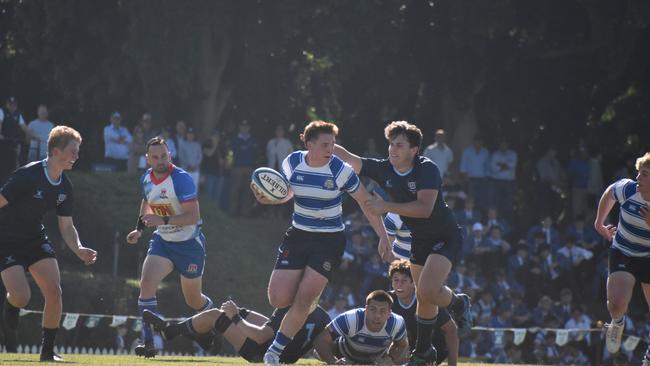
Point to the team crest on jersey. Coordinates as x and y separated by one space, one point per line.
163 194
61 198
438 246
192 268
327 266
38 194
329 183
411 186
10 259
47 248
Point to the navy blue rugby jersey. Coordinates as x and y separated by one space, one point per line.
31 193
403 187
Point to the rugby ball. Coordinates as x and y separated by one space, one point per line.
271 183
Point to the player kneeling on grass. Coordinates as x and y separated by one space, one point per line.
249 332
370 335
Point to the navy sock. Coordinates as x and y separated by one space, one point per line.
425 331
150 304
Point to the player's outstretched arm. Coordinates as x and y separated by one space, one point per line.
399 351
420 208
71 238
324 345
350 158
260 334
605 205
362 196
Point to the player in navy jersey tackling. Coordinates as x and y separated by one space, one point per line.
445 336
414 185
629 254
366 336
313 246
30 192
170 204
249 333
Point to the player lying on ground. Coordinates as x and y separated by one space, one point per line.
249 332
370 335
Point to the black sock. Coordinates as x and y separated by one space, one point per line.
425 331
49 334
10 314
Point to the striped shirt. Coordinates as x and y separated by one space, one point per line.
357 343
396 228
318 191
165 197
633 233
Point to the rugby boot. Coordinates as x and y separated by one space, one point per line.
613 335
146 350
50 356
463 316
271 359
428 358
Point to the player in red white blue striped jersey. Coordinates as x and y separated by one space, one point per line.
170 204
629 254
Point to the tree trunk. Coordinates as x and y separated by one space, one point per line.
214 53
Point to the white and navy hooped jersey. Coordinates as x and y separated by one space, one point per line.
359 343
395 227
165 196
317 192
633 233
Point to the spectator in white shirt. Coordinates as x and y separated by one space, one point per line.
116 143
277 149
440 153
40 130
579 320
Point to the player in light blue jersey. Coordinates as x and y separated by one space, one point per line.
170 204
399 235
366 336
313 246
629 254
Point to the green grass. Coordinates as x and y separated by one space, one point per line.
29 359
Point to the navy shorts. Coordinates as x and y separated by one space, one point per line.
187 256
448 244
27 255
638 267
322 252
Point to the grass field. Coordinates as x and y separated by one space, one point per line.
29 359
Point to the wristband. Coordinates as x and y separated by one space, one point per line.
236 319
140 226
166 220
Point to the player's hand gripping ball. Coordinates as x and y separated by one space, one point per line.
270 184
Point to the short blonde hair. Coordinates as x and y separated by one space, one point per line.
643 162
60 137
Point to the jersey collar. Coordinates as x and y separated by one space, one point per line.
415 160
407 306
157 181
48 176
